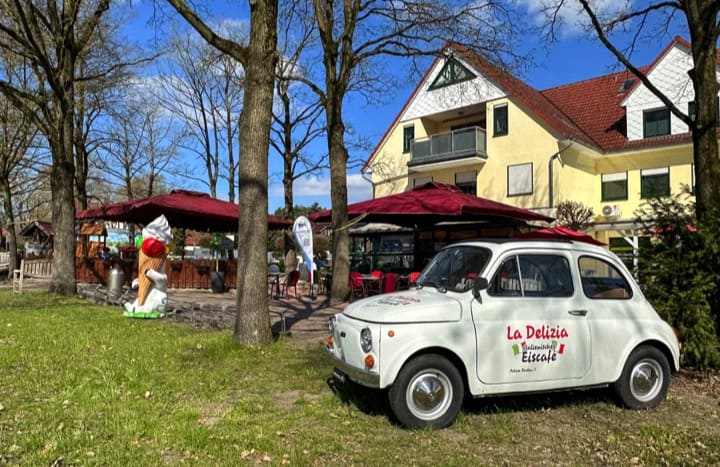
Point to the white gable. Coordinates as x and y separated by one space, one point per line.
428 102
670 76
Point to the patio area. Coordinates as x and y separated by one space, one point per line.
306 320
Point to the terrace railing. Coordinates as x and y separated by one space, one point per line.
456 144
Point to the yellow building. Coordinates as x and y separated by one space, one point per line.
605 142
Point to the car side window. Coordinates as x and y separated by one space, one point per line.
546 276
602 280
533 276
507 280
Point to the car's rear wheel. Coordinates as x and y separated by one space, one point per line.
428 392
644 381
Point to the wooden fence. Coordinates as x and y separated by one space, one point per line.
186 274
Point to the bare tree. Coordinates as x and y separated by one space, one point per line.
204 90
297 114
355 38
139 146
230 84
258 58
52 37
16 138
57 41
104 69
651 20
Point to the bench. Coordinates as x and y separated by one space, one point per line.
31 269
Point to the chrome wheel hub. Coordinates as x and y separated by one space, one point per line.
646 380
429 394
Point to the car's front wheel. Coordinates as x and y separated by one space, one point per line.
428 392
644 381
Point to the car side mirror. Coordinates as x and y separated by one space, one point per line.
481 283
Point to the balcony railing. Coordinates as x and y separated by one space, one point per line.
457 144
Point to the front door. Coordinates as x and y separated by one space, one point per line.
531 325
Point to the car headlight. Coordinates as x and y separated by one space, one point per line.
331 324
366 340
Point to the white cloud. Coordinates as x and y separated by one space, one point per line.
312 186
317 188
571 15
358 188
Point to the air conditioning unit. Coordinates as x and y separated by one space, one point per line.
611 211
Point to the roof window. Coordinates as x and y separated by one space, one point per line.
452 72
627 84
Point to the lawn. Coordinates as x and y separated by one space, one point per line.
80 384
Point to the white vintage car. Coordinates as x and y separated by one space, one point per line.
501 317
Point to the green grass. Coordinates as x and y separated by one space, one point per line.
80 384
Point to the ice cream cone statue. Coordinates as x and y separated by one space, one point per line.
152 280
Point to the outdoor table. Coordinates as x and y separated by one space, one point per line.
371 282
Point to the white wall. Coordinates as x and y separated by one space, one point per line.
670 76
429 102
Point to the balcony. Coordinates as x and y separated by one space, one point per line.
458 147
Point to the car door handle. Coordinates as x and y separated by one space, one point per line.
578 312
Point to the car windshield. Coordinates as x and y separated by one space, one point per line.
455 268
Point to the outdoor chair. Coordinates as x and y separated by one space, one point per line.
273 279
390 282
413 277
357 286
291 281
375 286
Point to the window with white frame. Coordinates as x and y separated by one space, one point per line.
614 186
408 137
655 183
519 179
656 123
500 120
467 182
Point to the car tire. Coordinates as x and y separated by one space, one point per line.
645 378
428 392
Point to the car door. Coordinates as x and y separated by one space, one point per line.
530 322
614 312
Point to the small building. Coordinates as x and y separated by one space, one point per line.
38 237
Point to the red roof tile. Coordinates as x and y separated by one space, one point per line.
589 111
528 96
594 105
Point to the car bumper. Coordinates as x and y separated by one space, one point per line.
344 370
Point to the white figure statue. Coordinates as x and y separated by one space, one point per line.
152 279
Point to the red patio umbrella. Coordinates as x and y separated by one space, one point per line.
432 203
182 208
561 233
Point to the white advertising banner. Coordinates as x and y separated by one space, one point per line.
302 231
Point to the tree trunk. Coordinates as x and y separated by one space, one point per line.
252 325
12 231
338 196
288 239
701 16
230 155
63 203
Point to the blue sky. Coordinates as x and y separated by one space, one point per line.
573 58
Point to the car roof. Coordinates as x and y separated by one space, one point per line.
507 243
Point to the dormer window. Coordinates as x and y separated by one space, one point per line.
452 72
656 123
626 85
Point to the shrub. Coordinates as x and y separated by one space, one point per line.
679 274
